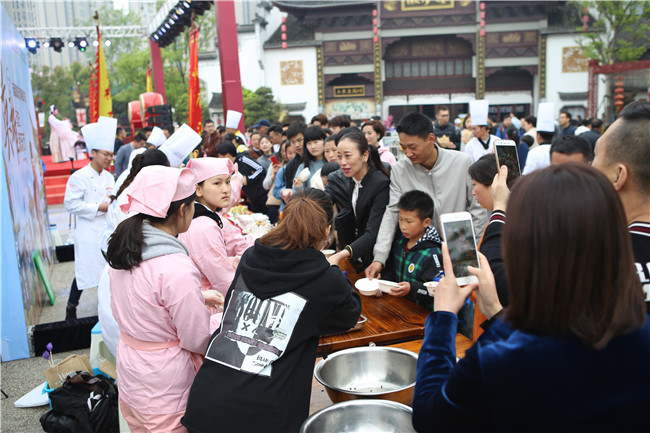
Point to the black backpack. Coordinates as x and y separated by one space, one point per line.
84 403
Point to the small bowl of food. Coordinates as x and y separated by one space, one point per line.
367 287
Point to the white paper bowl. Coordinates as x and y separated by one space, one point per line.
367 287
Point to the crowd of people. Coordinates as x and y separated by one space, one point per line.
232 323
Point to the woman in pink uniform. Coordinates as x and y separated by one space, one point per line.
157 301
214 244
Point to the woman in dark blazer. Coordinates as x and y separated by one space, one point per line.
360 190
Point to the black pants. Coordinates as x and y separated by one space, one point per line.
75 294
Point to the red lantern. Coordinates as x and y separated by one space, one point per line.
482 32
483 15
374 12
375 39
374 21
482 6
585 18
482 23
283 27
284 36
284 45
375 30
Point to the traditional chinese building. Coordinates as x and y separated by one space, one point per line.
391 57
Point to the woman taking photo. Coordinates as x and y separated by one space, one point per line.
483 173
571 352
208 237
258 367
157 300
361 196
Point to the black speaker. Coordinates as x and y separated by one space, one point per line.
64 336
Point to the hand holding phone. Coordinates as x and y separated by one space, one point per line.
458 233
506 154
448 295
274 160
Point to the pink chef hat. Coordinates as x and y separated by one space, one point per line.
205 168
155 187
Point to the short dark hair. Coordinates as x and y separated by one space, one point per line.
528 140
275 128
314 133
596 123
441 108
147 128
208 121
221 129
577 290
629 143
484 170
566 113
570 144
169 127
296 128
227 148
119 130
415 123
329 167
342 121
512 134
418 201
140 137
546 135
532 120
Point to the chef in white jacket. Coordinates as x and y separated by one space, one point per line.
86 196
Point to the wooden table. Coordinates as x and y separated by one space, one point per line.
391 320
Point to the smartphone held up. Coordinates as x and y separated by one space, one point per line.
458 233
506 154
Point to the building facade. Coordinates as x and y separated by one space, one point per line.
424 54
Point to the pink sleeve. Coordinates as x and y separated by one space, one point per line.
235 239
208 250
187 309
387 156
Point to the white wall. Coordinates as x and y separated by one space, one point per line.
569 82
297 93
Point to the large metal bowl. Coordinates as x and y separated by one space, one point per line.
369 372
361 416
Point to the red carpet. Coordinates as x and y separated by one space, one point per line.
56 176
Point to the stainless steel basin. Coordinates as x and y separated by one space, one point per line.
361 416
369 373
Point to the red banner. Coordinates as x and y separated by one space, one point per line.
194 94
93 95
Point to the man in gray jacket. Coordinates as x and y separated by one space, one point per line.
441 173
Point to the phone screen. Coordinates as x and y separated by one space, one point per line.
507 155
459 236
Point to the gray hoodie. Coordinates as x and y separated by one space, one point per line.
158 243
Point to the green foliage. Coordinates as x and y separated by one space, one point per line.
260 104
619 32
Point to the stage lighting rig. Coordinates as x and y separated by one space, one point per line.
56 44
32 45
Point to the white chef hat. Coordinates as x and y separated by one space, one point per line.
100 135
180 144
232 119
157 137
478 110
546 117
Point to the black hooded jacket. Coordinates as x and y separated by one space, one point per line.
258 367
